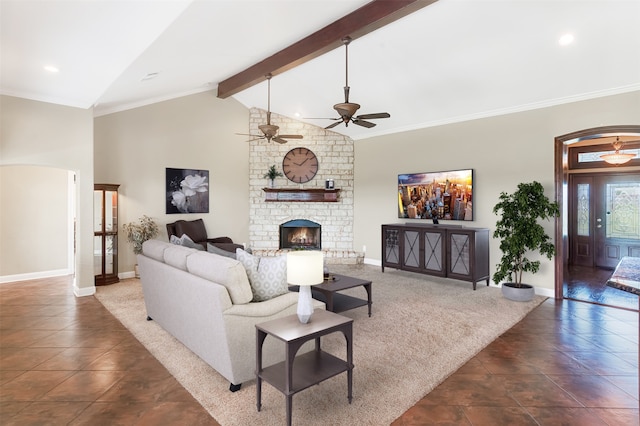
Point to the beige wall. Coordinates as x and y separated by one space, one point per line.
40 134
503 151
34 221
133 148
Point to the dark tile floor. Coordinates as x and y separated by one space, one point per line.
590 285
67 360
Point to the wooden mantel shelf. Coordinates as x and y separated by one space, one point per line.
301 195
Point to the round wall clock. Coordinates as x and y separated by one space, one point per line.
300 165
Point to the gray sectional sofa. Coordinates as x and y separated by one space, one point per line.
205 301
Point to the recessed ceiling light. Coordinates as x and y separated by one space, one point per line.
51 68
150 76
565 40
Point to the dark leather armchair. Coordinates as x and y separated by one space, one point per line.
197 232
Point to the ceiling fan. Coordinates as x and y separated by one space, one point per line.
347 109
270 131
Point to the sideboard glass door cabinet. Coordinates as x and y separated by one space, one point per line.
105 233
442 250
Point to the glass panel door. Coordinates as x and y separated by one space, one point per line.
412 249
617 208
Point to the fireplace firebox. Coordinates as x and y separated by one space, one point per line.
300 234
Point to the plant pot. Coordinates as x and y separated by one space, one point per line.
518 292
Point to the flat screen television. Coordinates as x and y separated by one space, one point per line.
435 196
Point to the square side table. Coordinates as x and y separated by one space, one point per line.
297 373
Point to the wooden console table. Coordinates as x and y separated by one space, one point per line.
450 251
301 195
309 369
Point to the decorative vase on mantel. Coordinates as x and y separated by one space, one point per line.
272 183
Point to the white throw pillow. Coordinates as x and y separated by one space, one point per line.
267 275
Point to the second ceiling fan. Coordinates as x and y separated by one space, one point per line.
347 109
270 131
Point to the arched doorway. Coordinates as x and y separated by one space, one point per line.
599 135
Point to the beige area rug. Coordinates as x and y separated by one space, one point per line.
422 329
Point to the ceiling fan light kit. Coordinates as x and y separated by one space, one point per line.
270 131
346 110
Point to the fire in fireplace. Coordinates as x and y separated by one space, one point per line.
300 233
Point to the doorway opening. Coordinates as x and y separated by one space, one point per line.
599 220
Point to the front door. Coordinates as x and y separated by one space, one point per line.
617 210
605 224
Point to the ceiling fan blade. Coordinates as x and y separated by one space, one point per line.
253 136
256 138
363 123
290 136
331 126
376 115
279 139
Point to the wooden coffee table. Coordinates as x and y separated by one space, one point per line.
328 292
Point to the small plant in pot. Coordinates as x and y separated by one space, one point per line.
137 233
520 233
272 174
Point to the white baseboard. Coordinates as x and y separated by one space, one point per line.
374 262
125 275
547 292
33 275
84 291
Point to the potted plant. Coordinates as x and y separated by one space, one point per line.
520 233
139 232
272 174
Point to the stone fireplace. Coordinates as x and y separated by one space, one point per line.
335 153
301 234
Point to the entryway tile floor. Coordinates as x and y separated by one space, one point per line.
566 363
67 360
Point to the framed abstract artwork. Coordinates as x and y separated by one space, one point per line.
187 191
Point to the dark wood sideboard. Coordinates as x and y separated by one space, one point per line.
448 251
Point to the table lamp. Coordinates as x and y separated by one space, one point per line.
304 269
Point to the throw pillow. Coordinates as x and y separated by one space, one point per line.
213 249
185 241
267 275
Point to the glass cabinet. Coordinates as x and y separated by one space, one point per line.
105 233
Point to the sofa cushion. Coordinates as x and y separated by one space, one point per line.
220 252
224 271
184 240
155 249
176 256
267 275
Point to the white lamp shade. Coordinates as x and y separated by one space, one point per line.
305 268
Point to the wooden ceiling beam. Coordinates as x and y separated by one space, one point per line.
364 20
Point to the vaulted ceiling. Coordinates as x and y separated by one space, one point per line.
449 61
